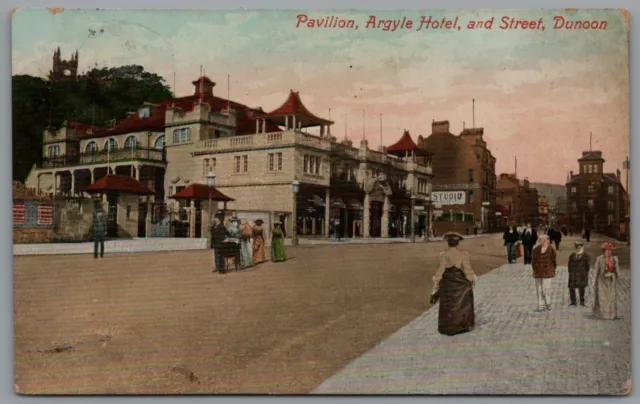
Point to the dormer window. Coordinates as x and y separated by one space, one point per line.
144 112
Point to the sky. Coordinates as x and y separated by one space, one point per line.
538 94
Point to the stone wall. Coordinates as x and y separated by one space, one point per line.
24 235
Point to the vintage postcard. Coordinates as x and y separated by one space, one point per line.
321 202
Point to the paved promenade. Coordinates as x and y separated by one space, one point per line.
513 349
136 245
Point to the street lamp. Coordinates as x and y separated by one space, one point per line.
413 208
211 182
427 200
295 187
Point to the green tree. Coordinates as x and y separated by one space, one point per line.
96 97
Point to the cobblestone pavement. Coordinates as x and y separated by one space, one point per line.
513 349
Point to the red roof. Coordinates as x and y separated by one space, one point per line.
294 106
405 143
156 121
118 183
82 128
201 191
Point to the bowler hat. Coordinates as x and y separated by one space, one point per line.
452 235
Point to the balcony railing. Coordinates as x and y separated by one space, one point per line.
103 156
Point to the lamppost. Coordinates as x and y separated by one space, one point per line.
211 182
413 208
427 200
295 187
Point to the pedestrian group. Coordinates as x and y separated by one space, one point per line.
454 279
244 243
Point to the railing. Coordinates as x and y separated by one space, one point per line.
243 142
103 156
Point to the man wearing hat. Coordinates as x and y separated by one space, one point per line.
579 264
453 286
543 262
218 235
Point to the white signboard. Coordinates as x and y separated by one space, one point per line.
449 197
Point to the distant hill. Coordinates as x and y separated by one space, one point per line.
551 191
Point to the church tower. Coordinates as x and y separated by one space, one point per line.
64 69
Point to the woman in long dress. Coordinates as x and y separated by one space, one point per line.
246 250
258 243
453 286
278 253
606 278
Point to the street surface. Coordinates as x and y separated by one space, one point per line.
162 323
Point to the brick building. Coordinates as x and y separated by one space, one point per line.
519 199
464 179
596 199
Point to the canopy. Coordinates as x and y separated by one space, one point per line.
201 191
118 183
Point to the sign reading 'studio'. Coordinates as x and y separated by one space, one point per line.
449 197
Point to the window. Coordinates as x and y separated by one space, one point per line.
236 165
182 135
159 145
611 205
590 203
610 219
590 189
305 169
610 189
144 112
111 145
590 167
470 196
275 162
574 190
595 169
53 151
213 164
131 142
312 165
205 167
92 147
318 164
574 205
216 134
245 163
128 211
470 175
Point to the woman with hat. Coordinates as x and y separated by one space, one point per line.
605 293
278 253
258 242
579 264
246 250
453 287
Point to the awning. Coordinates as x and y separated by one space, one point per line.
118 183
201 191
316 200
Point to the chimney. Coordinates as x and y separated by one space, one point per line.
618 174
440 127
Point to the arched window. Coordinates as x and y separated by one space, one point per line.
111 145
92 147
131 142
159 143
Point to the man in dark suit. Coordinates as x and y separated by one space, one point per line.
529 240
218 234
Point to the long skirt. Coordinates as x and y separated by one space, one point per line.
456 314
604 305
258 250
278 253
511 252
246 254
